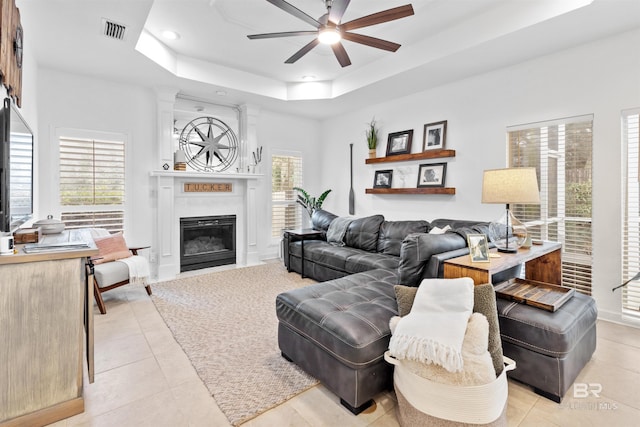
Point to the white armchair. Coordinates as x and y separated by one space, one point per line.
116 265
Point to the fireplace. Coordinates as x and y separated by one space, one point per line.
207 241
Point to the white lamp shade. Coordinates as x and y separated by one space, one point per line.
511 185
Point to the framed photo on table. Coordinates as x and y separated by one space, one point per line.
382 179
399 142
432 175
478 247
435 135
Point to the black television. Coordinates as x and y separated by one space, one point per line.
16 173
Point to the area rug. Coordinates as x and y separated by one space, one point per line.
226 323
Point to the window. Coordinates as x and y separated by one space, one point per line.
286 174
561 152
631 212
92 183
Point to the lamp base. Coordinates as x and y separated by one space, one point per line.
507 233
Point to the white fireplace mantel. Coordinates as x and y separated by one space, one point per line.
172 203
206 176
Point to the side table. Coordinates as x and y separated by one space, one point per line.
301 234
543 263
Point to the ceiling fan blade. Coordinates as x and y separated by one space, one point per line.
285 34
338 8
378 18
292 10
371 41
341 54
302 52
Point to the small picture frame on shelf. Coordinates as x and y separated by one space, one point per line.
435 136
382 179
478 247
399 142
432 175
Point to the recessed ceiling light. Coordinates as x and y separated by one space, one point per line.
170 35
309 78
221 93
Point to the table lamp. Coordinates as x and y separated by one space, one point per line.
511 185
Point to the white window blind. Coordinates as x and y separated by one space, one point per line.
631 223
21 161
92 183
561 152
285 212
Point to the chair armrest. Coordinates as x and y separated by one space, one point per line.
135 250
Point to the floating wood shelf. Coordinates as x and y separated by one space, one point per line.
426 190
429 154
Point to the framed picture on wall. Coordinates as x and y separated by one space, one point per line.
432 175
399 142
382 179
435 135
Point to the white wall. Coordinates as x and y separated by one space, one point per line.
599 78
78 102
282 133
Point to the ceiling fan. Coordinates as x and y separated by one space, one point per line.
330 30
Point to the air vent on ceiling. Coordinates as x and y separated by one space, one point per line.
113 30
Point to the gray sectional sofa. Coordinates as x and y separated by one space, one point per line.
372 242
338 330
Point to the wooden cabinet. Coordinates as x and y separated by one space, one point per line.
425 155
43 301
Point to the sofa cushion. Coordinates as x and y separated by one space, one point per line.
392 233
364 261
417 249
363 233
324 254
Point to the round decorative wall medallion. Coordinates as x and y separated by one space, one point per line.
210 145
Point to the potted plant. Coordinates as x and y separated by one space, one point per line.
308 202
372 138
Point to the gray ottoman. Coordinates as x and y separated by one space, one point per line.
338 331
550 348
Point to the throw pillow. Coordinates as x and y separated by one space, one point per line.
111 248
484 301
438 230
404 297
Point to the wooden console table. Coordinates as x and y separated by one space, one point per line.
543 263
44 302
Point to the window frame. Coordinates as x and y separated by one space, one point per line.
630 242
573 275
291 202
58 208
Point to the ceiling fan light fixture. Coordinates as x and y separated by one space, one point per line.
329 36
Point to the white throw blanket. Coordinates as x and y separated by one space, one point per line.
138 269
434 330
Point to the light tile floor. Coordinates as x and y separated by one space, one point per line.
144 378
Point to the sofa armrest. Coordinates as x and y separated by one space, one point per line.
417 250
